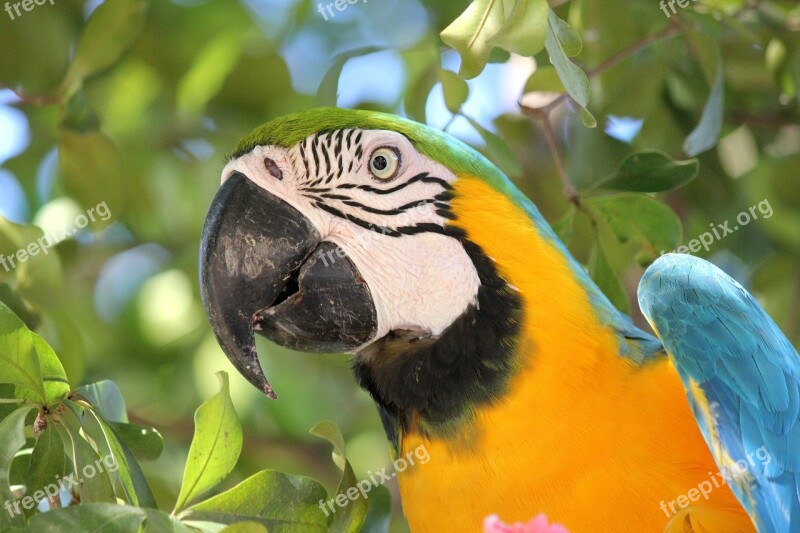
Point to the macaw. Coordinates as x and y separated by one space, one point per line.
480 337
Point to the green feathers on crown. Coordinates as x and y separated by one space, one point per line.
289 130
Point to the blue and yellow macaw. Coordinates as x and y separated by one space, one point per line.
482 339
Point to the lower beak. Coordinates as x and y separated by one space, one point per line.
263 268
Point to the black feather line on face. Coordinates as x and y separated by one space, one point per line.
324 146
319 195
440 381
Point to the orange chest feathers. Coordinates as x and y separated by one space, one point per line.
582 435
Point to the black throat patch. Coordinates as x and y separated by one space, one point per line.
432 384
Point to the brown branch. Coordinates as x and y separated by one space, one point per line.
543 113
33 99
668 31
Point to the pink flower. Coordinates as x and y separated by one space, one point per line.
539 524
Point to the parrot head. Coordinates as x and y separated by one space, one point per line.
333 231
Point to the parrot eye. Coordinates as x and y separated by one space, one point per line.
384 163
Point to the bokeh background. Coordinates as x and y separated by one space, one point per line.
164 89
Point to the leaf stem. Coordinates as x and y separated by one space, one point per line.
570 191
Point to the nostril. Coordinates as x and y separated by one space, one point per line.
273 168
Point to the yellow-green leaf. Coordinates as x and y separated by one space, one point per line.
56 385
215 447
211 66
455 90
12 438
109 32
18 362
471 32
274 499
641 219
350 517
525 30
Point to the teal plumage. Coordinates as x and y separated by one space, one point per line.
723 342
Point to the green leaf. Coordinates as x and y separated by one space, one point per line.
588 119
525 29
351 516
245 527
564 226
210 68
144 495
92 171
560 44
471 32
123 466
379 514
455 90
12 438
498 151
56 385
706 133
283 502
106 397
144 442
18 362
606 279
88 467
38 46
641 219
93 517
109 32
215 447
650 171
328 91
569 39
65 338
8 400
47 462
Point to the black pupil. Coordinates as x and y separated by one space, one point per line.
380 162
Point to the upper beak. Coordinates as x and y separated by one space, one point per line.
261 269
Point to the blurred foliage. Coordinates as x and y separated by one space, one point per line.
122 111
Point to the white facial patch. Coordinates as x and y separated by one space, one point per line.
391 229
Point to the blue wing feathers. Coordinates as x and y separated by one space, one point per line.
724 342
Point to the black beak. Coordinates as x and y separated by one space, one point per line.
263 268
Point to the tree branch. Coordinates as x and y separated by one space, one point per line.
543 113
33 99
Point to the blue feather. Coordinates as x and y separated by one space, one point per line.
723 342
